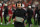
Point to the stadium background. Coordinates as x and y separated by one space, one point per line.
11 25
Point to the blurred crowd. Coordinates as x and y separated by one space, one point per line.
25 3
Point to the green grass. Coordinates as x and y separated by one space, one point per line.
11 25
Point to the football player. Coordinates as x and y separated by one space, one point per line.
1 8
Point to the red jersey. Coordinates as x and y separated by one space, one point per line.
9 9
0 9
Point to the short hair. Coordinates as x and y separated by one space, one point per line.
18 2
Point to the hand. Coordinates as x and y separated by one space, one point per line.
22 19
13 20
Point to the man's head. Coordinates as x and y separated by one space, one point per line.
19 4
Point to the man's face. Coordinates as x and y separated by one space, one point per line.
19 5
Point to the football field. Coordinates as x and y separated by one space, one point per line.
11 25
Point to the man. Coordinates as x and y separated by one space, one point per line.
38 14
5 12
30 13
10 12
34 8
18 16
1 8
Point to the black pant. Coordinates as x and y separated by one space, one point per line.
29 20
35 22
5 15
38 20
18 24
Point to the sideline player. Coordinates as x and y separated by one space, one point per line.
10 12
1 8
5 12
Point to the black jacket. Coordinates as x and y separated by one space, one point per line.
5 9
20 13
